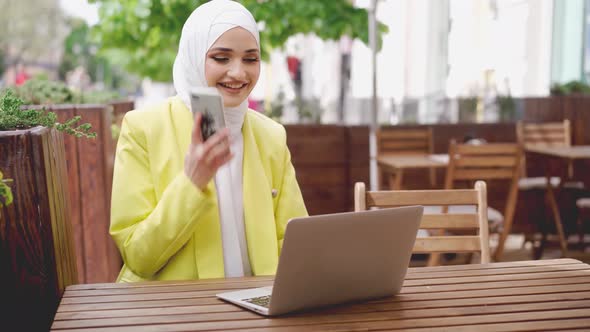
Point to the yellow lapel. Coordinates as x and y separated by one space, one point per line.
207 238
260 227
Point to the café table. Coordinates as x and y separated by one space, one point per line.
532 295
569 154
396 165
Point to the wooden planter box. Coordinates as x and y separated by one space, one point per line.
37 259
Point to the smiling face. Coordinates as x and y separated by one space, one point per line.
232 65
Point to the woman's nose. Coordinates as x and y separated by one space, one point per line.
236 71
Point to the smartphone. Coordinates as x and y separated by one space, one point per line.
208 102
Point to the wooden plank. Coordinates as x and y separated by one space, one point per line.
393 320
408 303
497 265
65 112
449 221
552 325
486 162
94 194
490 272
421 197
483 173
444 244
491 148
408 294
401 134
402 145
483 280
543 127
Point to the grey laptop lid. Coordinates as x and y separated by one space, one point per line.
337 258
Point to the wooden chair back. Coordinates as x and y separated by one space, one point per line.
543 134
477 222
396 141
404 141
488 162
491 161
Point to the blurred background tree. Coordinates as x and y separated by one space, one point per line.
148 31
28 27
104 68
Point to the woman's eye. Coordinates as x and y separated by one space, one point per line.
220 59
251 59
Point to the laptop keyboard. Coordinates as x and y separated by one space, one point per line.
262 301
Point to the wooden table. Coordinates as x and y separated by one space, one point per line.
528 295
569 154
395 165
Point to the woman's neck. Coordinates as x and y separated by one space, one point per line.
234 117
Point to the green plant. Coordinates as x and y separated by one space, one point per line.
277 106
570 87
309 109
507 107
41 91
148 31
467 109
5 192
13 116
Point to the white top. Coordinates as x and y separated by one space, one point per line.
228 182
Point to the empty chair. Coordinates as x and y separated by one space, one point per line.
488 162
474 222
396 141
542 134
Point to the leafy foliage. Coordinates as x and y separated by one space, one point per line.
569 88
149 30
13 116
81 51
5 192
39 91
507 107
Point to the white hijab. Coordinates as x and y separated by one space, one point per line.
200 31
203 27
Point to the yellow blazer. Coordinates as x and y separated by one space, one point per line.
168 229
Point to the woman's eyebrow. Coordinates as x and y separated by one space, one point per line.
253 50
221 49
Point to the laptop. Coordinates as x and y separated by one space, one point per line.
337 258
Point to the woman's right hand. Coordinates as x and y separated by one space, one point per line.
203 159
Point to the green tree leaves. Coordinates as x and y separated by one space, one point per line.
149 30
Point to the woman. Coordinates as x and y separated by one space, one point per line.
187 209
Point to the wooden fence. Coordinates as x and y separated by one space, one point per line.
90 173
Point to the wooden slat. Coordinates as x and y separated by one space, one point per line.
492 148
449 221
486 161
421 197
403 134
544 126
403 145
545 136
483 173
443 243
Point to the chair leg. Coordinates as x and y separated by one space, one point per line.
580 224
434 260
